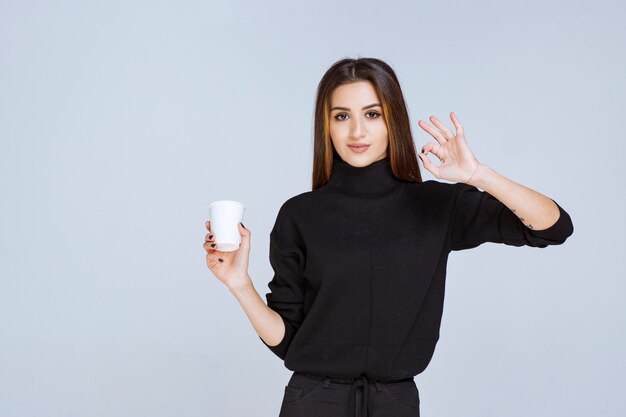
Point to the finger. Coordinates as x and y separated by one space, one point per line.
208 225
437 150
457 124
209 237
245 234
432 131
429 165
446 132
213 257
209 246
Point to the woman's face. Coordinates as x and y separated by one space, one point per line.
356 118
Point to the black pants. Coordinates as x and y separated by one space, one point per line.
308 395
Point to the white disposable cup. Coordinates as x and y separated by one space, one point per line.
225 216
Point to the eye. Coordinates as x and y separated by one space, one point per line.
338 116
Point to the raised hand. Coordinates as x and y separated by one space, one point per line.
458 163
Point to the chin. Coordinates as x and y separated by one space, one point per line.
362 159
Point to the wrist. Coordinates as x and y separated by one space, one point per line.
241 285
479 176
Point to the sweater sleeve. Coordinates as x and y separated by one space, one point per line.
286 295
479 217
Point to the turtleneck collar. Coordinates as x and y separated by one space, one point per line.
375 179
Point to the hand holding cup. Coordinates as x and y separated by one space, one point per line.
229 267
228 245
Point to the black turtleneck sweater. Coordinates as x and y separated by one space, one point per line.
360 267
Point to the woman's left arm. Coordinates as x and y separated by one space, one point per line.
534 209
459 164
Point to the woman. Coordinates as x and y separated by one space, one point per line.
355 305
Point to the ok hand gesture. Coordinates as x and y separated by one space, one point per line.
458 163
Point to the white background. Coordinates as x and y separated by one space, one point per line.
121 121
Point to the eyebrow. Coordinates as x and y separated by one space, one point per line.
363 108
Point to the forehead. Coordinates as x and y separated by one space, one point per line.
354 94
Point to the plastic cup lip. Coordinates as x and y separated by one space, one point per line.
227 201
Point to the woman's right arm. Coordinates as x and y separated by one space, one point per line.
268 324
231 268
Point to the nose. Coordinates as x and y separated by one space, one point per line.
357 128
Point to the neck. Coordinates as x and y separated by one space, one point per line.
373 180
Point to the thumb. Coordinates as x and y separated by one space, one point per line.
428 164
245 234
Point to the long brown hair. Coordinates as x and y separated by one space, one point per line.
401 150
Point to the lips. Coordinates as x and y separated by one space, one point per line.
358 147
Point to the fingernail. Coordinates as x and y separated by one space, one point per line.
220 259
210 236
243 225
212 245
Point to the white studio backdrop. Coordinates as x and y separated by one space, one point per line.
121 121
